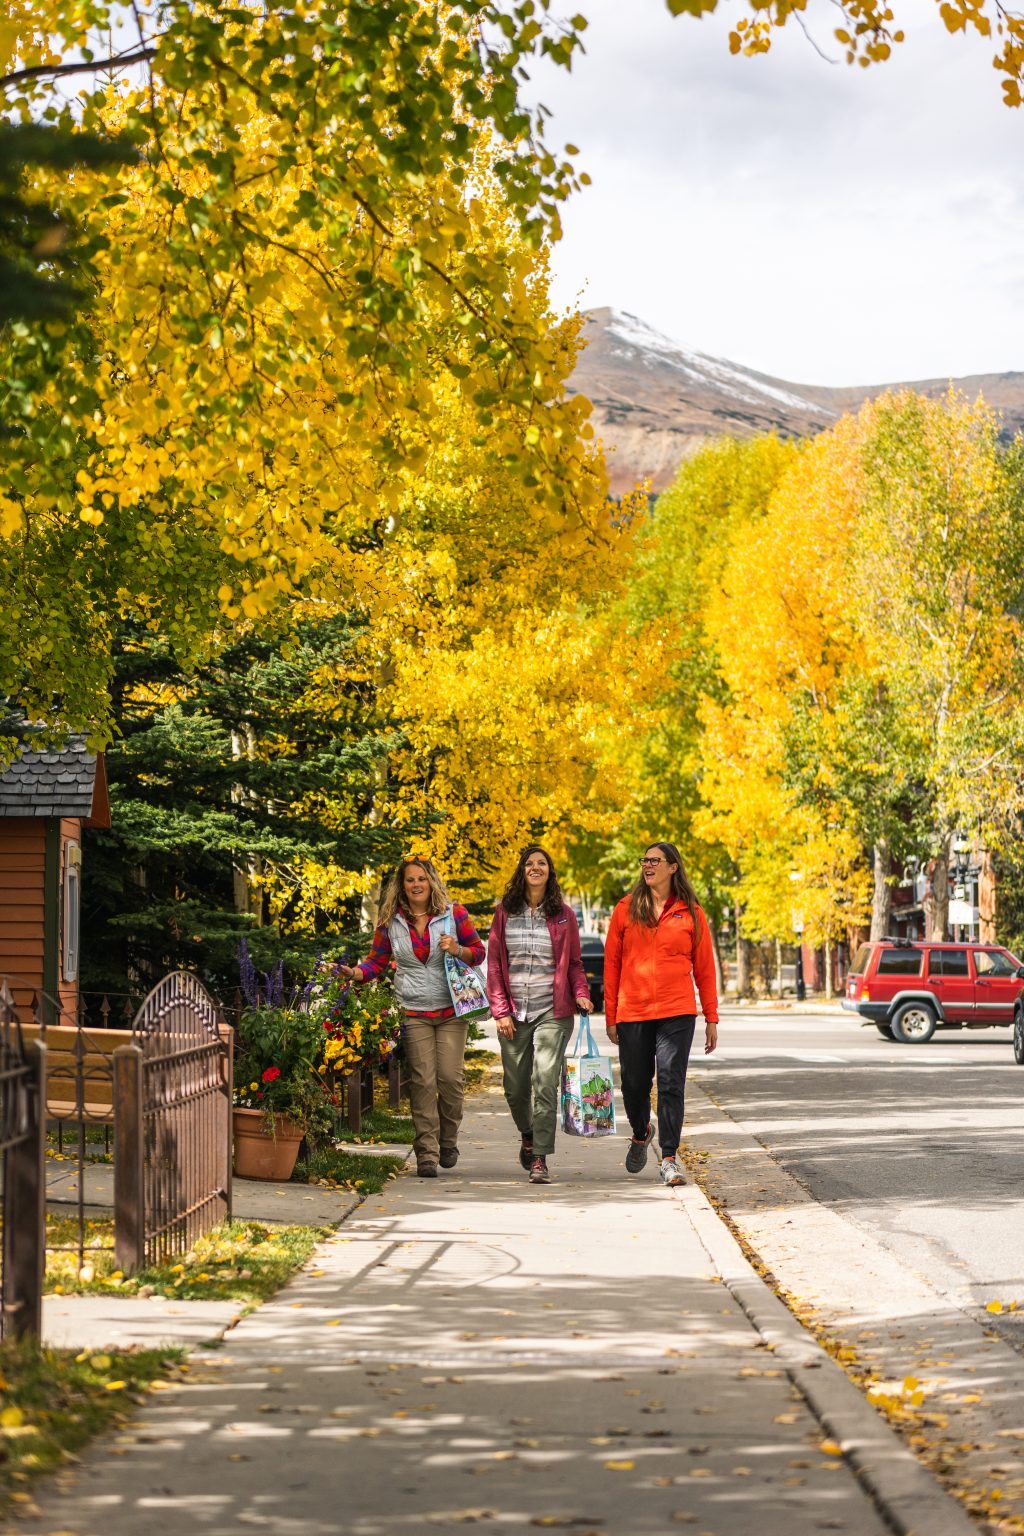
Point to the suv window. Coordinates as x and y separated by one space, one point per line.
948 962
859 963
991 962
898 962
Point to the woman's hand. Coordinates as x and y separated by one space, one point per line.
350 972
612 1031
449 943
506 1026
585 1004
710 1037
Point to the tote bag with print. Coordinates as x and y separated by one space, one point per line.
465 983
588 1096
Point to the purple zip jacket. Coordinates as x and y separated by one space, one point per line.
570 977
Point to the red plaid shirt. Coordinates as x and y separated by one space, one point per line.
380 956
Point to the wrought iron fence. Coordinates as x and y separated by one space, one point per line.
22 1177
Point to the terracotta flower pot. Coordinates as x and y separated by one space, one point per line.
264 1149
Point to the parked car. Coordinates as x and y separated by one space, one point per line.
909 990
592 948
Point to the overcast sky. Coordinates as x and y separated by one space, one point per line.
825 224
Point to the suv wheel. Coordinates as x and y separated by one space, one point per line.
913 1024
1018 1037
885 1030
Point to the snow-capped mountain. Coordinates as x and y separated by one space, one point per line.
656 400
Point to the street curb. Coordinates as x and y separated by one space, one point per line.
906 1493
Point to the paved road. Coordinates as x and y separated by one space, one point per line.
922 1145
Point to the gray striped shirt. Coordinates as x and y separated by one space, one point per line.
531 963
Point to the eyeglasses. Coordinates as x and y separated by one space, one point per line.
651 863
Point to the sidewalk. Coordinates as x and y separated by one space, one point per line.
473 1350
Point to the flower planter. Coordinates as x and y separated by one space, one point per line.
265 1147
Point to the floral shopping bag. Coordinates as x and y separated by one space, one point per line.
588 1098
465 983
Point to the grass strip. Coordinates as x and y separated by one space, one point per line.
53 1401
387 1125
244 1261
333 1169
479 1065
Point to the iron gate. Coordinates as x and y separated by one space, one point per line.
172 1124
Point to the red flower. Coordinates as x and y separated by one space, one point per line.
271 1074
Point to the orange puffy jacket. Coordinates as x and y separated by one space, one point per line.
649 973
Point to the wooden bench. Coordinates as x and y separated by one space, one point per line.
63 1066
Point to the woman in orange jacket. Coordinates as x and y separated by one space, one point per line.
658 945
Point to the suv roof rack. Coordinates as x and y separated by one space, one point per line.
899 943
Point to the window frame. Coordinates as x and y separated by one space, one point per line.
71 914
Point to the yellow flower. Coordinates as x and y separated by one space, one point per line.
253 1087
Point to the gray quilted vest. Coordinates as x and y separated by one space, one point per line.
419 987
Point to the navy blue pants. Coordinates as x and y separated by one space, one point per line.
659 1047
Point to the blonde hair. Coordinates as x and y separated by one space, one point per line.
393 899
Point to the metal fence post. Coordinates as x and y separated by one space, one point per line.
354 1090
129 1160
24 1239
228 1038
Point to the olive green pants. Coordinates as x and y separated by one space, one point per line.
532 1063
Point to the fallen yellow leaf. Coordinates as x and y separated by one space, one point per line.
619 1466
994 1306
830 1448
10 1418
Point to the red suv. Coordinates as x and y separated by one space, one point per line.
909 990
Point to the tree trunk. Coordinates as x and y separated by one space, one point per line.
743 948
368 906
719 968
828 969
881 906
778 966
987 902
938 907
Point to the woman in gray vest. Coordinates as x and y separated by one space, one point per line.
410 924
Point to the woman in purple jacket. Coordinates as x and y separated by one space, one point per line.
535 982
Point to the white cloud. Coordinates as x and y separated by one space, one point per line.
825 224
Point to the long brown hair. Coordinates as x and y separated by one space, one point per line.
393 899
641 902
514 899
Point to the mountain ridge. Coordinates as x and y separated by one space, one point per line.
656 401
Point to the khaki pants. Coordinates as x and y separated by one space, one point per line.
435 1054
532 1063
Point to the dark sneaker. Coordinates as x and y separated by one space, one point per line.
636 1152
449 1157
526 1153
671 1173
426 1170
539 1171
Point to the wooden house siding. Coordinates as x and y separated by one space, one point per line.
22 905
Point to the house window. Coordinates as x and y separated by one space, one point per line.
72 911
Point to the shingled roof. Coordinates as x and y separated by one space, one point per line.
69 782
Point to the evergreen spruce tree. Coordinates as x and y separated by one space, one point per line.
269 760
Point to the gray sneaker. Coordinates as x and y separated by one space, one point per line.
671 1173
636 1152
